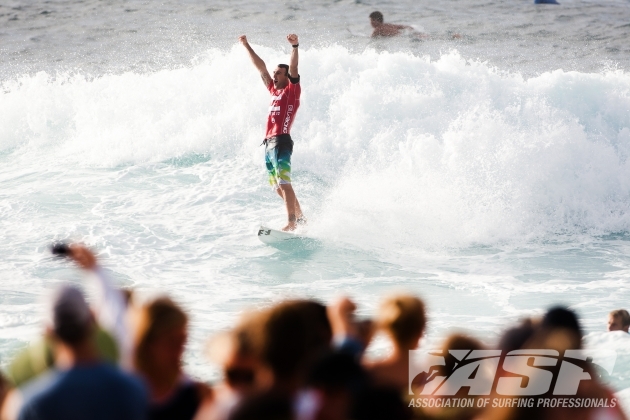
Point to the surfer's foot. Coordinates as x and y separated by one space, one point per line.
302 221
291 226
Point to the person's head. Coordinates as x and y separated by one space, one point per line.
403 318
562 320
376 19
456 342
281 76
70 319
516 337
234 352
289 337
619 320
160 337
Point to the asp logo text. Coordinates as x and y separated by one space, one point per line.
517 373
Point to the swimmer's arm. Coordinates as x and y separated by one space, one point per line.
258 62
293 63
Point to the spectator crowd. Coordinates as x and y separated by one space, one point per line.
296 360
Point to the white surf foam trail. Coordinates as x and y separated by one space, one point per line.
445 152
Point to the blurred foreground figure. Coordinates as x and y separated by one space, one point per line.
233 351
287 341
161 331
301 376
111 336
82 386
403 319
559 331
455 342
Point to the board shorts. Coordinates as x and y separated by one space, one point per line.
278 151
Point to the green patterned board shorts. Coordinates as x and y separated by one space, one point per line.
278 151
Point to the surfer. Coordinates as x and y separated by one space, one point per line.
385 29
285 91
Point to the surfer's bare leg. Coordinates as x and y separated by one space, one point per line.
294 212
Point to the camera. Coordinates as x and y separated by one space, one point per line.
61 249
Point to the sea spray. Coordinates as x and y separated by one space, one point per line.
449 151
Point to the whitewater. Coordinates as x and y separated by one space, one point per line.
490 178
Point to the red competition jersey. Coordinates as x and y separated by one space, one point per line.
284 104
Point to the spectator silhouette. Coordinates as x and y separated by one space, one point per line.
82 385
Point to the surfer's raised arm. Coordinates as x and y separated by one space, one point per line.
258 62
293 63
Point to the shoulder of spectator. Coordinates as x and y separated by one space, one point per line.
349 344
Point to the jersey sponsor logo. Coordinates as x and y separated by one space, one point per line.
282 111
287 120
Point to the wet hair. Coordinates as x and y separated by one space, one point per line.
622 315
158 317
285 67
377 16
403 318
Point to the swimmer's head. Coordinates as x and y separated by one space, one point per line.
281 76
376 19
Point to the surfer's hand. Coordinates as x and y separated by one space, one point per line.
293 39
243 39
83 256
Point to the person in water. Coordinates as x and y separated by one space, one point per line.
385 29
619 320
285 92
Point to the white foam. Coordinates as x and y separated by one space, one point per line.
438 152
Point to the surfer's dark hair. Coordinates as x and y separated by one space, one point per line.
377 16
286 67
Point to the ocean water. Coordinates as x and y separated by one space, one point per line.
487 173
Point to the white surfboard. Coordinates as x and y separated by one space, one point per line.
273 236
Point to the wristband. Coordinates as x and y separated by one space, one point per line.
296 45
